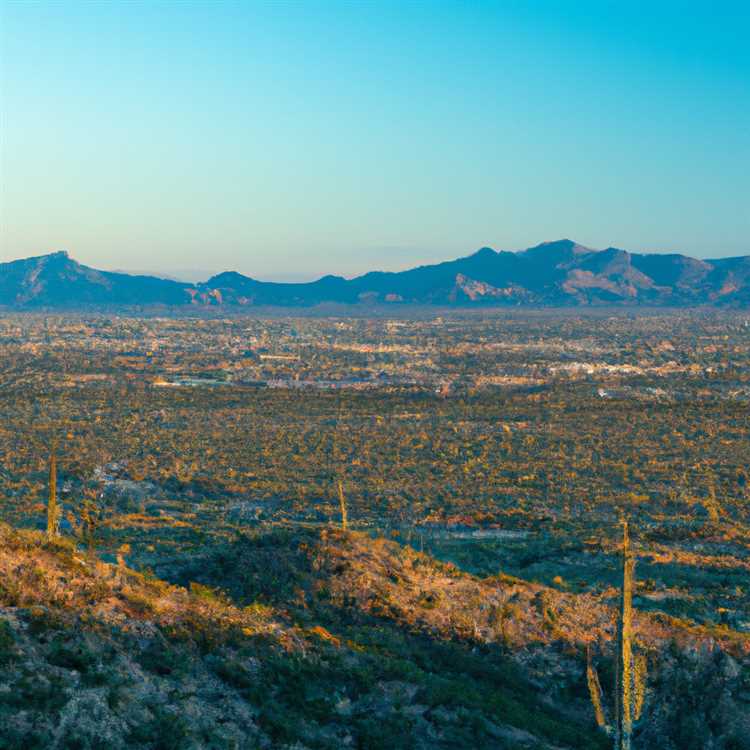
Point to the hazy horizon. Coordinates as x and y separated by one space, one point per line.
195 275
291 141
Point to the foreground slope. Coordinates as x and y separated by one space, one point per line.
94 656
327 639
698 692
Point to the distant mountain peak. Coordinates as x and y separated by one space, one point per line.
563 241
557 246
331 277
57 255
56 280
484 252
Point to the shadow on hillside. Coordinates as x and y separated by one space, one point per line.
300 571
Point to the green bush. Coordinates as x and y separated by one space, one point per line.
7 642
71 655
164 660
42 620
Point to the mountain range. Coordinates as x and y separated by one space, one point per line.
559 273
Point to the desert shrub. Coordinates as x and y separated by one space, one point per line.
97 590
63 546
429 599
163 659
446 692
7 643
118 695
171 731
12 738
36 691
282 724
141 604
385 732
42 620
166 731
235 673
71 655
208 594
10 592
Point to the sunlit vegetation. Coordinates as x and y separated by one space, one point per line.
380 533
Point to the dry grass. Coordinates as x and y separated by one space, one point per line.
386 579
37 573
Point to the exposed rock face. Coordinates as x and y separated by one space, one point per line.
467 289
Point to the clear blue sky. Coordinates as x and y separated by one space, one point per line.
295 139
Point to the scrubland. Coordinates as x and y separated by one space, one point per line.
201 592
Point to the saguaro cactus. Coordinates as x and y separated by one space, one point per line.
624 690
342 505
53 509
630 669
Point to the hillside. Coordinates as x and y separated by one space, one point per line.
328 639
57 280
560 273
553 273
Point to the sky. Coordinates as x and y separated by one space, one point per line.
289 140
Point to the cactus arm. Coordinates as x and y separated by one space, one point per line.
595 691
